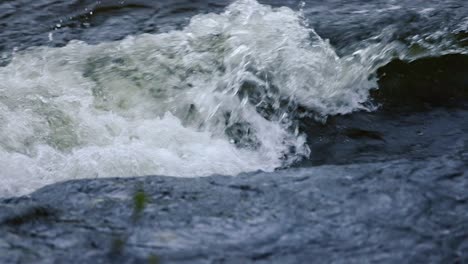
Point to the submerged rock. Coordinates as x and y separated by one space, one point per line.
403 211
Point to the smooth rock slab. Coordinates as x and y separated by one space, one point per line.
394 212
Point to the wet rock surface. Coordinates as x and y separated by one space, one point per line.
404 211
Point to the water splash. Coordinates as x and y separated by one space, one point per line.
218 97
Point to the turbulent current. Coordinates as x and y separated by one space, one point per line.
222 94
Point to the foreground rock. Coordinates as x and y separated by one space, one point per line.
394 212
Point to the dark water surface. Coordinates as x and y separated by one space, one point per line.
374 198
25 24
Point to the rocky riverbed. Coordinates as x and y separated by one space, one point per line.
394 212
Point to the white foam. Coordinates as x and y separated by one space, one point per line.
171 103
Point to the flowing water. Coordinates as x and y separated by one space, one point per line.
93 89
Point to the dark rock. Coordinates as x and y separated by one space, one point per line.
424 83
402 211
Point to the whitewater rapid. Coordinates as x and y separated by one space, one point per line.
218 97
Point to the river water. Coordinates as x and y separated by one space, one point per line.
93 89
193 88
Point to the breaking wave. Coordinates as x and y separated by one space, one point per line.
218 97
